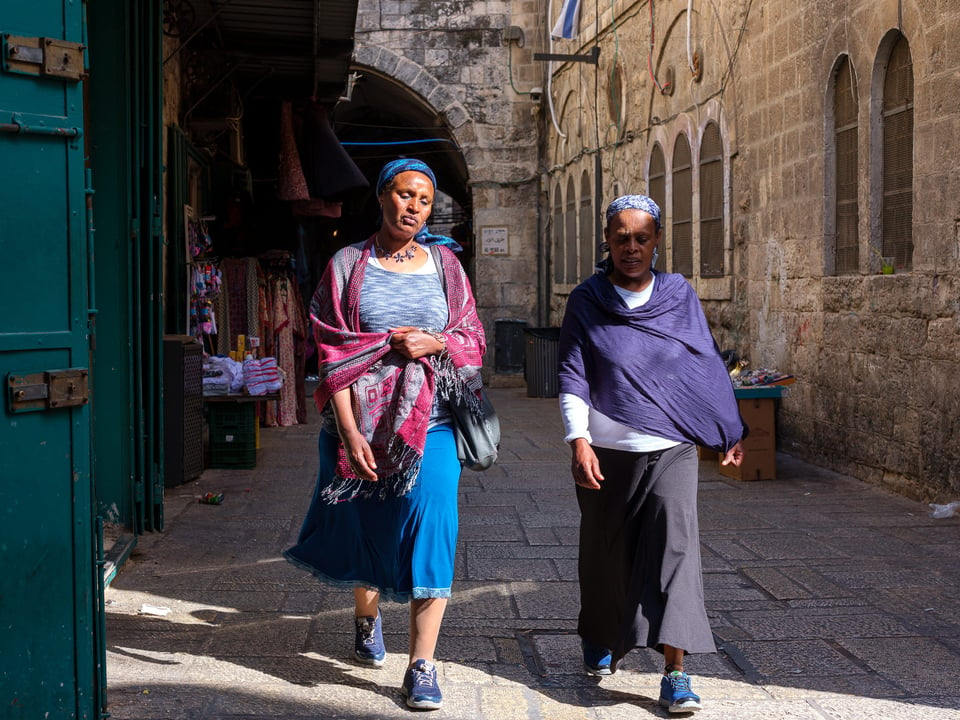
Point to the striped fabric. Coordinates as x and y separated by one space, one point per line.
568 24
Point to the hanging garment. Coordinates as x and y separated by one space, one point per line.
235 272
289 325
222 311
291 184
329 170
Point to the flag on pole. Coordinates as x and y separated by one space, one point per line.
568 24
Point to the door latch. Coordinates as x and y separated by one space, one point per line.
48 390
48 57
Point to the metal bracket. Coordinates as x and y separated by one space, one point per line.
48 390
43 57
591 58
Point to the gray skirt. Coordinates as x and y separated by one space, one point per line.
641 583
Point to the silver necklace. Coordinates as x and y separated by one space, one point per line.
399 256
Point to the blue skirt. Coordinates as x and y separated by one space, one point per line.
401 546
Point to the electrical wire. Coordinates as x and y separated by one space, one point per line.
653 76
553 112
510 72
693 69
399 142
615 99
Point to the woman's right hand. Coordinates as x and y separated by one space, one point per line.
359 455
355 445
585 466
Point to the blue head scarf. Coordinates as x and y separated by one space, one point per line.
394 168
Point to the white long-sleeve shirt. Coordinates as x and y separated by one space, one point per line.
581 420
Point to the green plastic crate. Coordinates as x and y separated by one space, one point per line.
233 435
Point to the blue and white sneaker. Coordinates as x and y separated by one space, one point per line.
420 686
597 660
676 695
368 645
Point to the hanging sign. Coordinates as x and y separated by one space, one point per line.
494 241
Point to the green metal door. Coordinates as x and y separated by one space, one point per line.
49 592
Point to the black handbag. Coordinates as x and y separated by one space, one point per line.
478 437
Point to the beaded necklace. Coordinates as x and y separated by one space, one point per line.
399 256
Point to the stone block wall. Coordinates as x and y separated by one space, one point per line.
453 56
875 356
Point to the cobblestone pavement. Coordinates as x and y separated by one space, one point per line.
829 598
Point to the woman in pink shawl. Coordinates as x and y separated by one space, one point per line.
398 335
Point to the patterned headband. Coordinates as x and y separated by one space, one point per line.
634 202
395 167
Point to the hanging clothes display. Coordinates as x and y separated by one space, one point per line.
263 302
288 329
205 286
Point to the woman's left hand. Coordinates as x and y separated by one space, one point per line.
734 456
413 343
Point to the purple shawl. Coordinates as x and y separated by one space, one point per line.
655 368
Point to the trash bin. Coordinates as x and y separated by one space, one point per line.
542 361
509 346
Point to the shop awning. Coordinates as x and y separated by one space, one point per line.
301 48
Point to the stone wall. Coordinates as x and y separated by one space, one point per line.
877 357
452 55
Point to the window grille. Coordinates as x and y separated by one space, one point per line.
682 224
558 236
711 202
657 188
897 219
588 240
846 145
570 236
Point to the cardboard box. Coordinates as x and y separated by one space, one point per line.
756 465
760 446
758 414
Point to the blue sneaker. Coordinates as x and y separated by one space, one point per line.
596 660
368 642
676 695
420 686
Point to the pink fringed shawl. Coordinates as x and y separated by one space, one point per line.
392 396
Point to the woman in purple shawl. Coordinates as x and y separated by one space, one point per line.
398 336
641 385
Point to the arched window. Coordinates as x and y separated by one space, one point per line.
681 229
711 202
557 236
570 236
846 145
897 218
588 239
657 188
